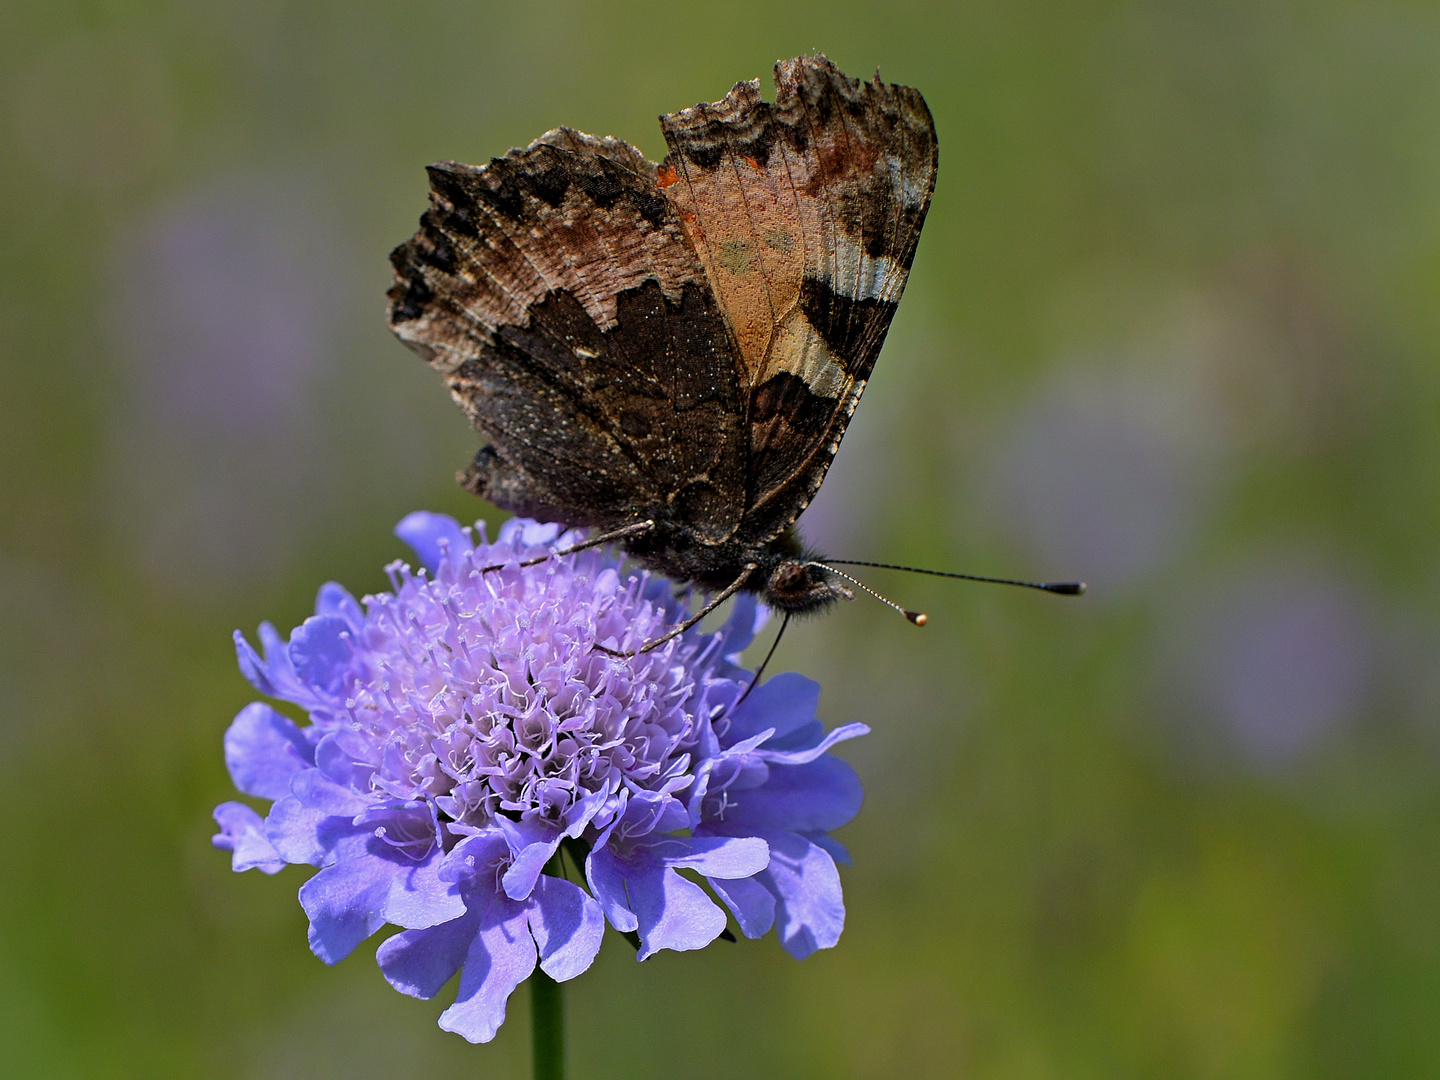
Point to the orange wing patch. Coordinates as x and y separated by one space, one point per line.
805 214
731 205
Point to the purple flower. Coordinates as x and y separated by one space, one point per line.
463 728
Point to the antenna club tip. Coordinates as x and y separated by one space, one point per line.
1067 588
919 618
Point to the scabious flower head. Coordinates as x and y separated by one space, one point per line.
464 727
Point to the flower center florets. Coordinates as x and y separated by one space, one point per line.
483 693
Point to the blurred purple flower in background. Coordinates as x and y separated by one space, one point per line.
464 729
227 305
1274 659
1107 475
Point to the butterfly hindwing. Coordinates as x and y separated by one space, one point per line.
556 291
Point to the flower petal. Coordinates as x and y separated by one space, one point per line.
302 835
318 792
810 753
533 849
274 675
242 832
335 599
751 903
672 913
568 927
321 652
785 703
335 757
817 797
253 667
476 859
419 898
349 901
747 618
263 750
501 957
838 851
810 909
344 904
431 536
716 856
647 812
606 875
421 962
528 532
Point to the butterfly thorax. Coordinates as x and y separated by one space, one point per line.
779 571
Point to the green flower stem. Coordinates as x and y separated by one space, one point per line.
547 1016
547 1006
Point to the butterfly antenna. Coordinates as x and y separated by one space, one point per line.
763 663
1060 588
919 618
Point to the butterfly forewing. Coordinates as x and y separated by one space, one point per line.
806 213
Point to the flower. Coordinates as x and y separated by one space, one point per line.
465 726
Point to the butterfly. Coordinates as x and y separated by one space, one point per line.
670 353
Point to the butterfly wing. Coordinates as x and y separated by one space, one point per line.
685 342
805 214
556 292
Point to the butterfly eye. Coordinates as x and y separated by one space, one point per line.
790 578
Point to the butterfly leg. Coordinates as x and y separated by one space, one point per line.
764 663
675 631
640 528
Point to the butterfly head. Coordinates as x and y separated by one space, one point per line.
797 586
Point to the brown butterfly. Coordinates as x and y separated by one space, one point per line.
670 353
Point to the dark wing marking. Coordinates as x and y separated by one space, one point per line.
556 291
806 214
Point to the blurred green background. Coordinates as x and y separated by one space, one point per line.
1173 328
